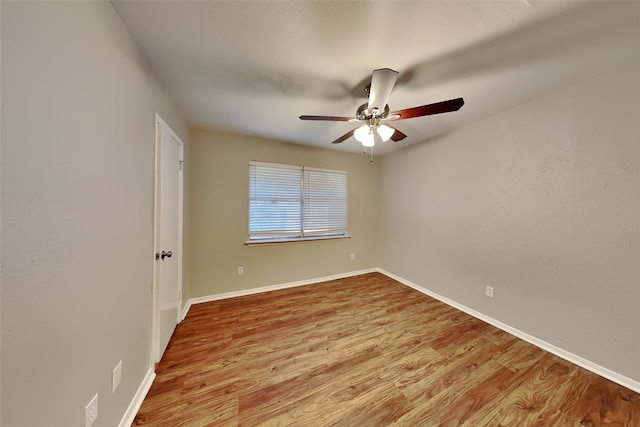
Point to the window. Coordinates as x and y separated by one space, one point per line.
296 203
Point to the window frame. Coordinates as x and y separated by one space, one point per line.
336 199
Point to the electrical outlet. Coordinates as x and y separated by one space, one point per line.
240 271
116 377
353 256
91 411
489 291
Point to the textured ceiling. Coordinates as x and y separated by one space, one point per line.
254 66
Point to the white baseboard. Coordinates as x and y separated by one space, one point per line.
252 291
135 404
570 357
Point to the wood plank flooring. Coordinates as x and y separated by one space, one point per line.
366 351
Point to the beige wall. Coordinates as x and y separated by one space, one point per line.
541 202
219 173
78 106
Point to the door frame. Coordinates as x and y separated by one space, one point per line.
160 125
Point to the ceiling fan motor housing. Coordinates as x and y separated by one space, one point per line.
364 114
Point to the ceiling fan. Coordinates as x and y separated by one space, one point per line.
374 114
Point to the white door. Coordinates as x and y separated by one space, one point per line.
168 236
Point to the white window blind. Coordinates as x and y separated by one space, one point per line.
324 202
296 203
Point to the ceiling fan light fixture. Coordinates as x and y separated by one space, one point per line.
364 135
385 132
369 142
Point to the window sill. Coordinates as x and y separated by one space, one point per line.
290 241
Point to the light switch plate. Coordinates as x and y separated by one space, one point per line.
116 377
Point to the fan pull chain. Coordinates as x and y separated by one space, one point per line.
364 151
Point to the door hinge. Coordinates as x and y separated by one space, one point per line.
180 164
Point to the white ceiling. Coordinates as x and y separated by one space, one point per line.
254 66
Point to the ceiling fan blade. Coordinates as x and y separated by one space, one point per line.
397 136
382 82
429 109
327 118
344 137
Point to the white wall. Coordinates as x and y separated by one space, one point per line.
541 202
78 106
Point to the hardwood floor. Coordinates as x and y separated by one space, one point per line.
366 351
